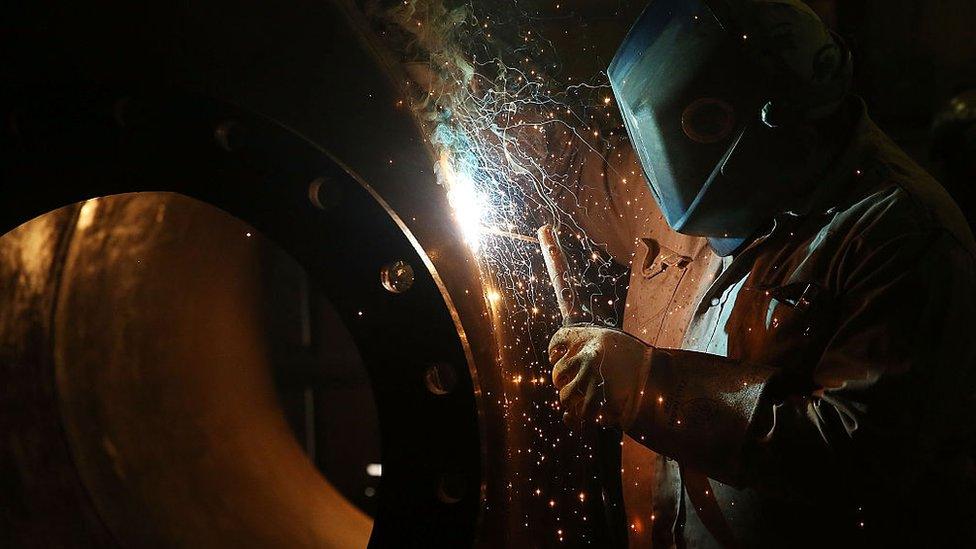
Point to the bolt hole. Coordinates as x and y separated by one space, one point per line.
229 135
397 277
450 488
440 379
323 193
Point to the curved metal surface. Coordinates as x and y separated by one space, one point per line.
304 65
142 431
165 385
44 503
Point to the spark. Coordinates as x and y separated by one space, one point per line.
510 140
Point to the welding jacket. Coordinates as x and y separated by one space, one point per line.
827 382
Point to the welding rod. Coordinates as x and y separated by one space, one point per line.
559 272
509 234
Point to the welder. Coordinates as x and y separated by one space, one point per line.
825 389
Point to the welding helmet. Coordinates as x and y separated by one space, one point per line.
718 97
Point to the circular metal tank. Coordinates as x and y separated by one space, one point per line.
285 117
132 334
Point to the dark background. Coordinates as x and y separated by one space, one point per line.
911 56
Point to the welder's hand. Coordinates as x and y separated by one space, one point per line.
600 374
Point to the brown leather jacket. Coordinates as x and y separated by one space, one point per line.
827 382
824 378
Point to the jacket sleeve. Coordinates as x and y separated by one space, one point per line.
892 390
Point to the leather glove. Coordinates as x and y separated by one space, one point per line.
600 374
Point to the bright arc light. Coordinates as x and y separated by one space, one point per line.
470 206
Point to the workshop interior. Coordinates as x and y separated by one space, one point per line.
285 274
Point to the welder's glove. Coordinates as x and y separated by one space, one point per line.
600 374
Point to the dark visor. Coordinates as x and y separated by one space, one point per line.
682 88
